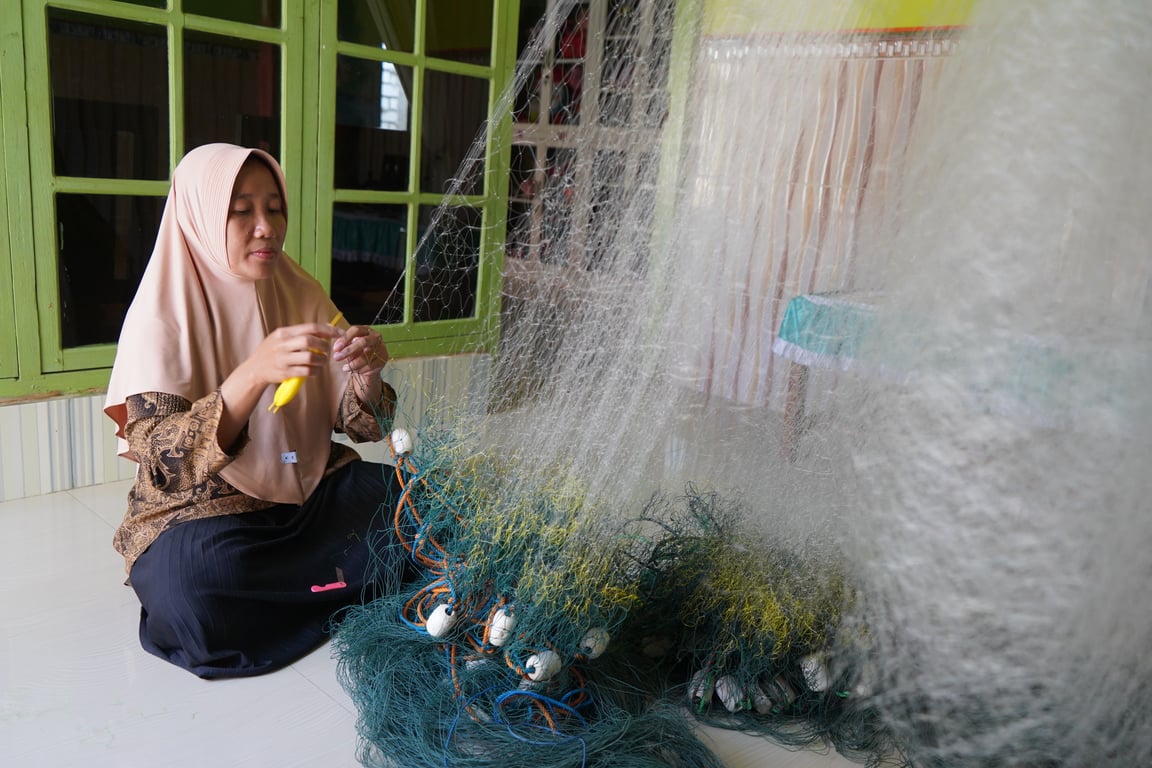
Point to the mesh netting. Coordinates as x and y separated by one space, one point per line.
544 630
819 410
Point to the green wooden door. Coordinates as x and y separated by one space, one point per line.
8 365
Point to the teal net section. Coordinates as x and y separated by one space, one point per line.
543 632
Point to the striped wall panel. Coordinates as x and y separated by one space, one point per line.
54 445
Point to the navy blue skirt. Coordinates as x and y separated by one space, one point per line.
242 595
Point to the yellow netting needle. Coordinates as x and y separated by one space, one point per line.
291 386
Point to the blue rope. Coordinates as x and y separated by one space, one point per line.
549 702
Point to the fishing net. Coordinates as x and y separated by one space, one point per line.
543 629
819 410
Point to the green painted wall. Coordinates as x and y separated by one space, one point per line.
734 17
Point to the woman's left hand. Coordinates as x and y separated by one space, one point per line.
361 350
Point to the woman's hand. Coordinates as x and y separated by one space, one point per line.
364 354
294 350
362 350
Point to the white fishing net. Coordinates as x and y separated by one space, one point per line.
948 229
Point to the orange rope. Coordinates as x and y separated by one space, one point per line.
491 615
546 711
405 501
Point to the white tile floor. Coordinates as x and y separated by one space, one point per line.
77 690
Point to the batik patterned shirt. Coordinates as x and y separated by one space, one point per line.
178 475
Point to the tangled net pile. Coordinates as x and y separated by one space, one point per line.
540 632
948 566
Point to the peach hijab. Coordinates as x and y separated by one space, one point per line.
193 321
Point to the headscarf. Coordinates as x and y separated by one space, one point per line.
193 321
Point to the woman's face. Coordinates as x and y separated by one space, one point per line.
256 222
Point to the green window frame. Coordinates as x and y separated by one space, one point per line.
434 337
34 360
17 319
54 356
8 367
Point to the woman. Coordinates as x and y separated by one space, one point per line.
246 528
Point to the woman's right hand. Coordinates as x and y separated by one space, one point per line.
294 350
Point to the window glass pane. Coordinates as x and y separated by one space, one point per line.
147 3
372 141
389 24
109 97
567 79
455 108
231 92
460 30
556 198
522 173
657 90
266 13
103 244
526 106
447 262
369 243
623 19
616 84
523 208
519 243
609 169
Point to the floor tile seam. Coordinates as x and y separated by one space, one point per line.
346 706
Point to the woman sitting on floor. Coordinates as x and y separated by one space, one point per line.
246 529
